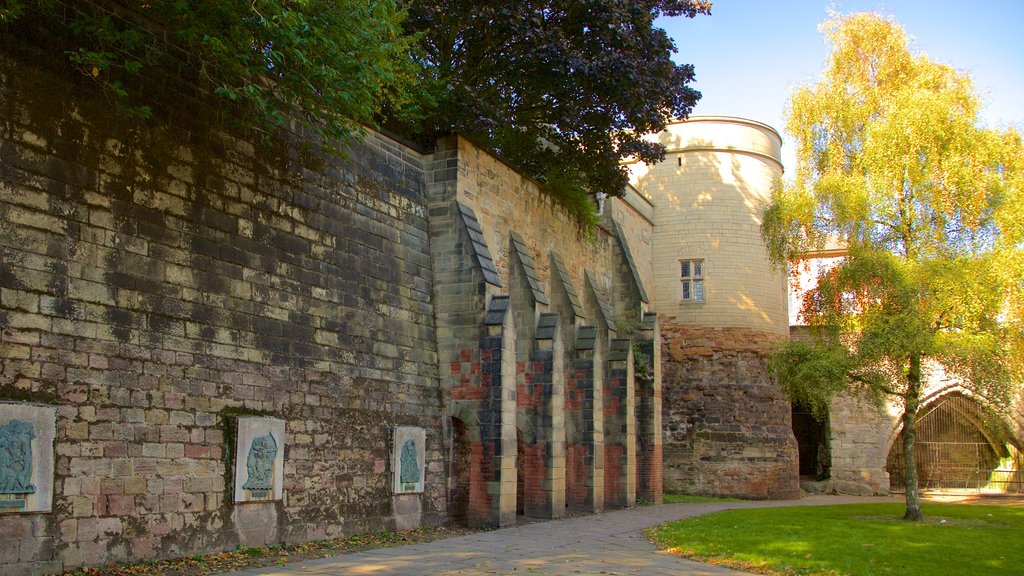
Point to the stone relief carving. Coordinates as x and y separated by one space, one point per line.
410 467
260 463
259 459
16 457
408 459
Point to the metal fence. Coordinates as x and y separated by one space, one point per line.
954 451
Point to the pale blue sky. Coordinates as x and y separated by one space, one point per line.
749 54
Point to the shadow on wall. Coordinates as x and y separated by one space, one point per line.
721 206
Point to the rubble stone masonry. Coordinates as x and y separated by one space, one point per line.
727 426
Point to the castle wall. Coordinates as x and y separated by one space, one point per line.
542 270
726 426
228 342
161 281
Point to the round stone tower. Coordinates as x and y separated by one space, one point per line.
721 307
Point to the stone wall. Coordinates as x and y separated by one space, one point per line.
727 426
860 434
159 280
708 194
514 272
162 282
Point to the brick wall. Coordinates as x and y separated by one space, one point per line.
157 280
620 437
649 445
576 473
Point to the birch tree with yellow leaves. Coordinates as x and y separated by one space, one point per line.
894 163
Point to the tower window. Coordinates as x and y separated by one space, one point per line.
691 275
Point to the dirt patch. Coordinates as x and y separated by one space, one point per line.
252 557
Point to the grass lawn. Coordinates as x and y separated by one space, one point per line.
855 540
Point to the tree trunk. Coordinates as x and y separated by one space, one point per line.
912 402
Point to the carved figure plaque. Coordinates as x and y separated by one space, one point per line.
26 457
16 457
259 460
410 468
260 465
408 459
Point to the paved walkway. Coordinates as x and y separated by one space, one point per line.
609 544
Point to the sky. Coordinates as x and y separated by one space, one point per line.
750 54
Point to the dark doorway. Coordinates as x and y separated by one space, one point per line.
812 438
520 472
458 502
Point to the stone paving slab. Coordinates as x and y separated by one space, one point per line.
609 544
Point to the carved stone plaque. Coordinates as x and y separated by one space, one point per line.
259 459
407 460
26 457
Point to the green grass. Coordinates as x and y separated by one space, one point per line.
855 540
691 499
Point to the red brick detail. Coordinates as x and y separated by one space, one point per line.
573 395
614 492
576 474
481 472
472 384
611 406
534 494
650 482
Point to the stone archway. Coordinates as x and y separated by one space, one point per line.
958 446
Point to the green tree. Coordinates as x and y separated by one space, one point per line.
330 64
562 89
893 163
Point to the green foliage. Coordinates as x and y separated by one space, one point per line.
563 90
629 322
10 10
812 375
854 540
330 64
893 164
